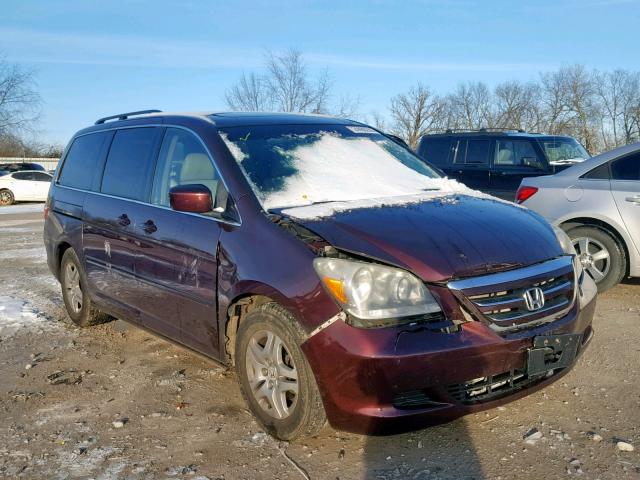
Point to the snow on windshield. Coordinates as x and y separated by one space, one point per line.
327 167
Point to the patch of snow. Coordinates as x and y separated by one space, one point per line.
339 169
237 153
35 254
23 208
17 315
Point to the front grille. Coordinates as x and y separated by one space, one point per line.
485 389
499 298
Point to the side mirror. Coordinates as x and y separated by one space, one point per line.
194 198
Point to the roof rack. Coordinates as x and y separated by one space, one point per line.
124 116
484 130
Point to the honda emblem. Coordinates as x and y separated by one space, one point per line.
534 299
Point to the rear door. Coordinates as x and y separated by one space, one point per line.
110 217
625 188
513 160
471 162
177 262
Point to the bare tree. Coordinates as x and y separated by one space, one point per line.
287 86
249 94
416 113
516 106
19 101
618 97
471 106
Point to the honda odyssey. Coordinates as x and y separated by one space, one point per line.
340 275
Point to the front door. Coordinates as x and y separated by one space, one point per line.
177 264
625 188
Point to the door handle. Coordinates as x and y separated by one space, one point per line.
149 226
124 220
635 199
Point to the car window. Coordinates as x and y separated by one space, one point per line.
79 166
436 150
516 153
298 165
563 150
129 166
599 173
41 177
23 176
627 168
183 160
477 152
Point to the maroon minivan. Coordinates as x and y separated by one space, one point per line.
340 274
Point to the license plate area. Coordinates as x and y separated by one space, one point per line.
551 352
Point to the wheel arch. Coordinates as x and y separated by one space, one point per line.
603 225
238 308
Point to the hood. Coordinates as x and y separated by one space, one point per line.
454 236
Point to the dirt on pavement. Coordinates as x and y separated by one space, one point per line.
115 402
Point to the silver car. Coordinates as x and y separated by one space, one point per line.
597 202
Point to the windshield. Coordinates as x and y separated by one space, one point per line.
296 165
563 149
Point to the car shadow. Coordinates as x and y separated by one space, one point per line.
443 452
631 281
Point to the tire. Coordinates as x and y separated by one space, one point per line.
605 259
298 415
76 300
6 198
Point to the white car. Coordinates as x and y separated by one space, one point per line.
597 203
24 186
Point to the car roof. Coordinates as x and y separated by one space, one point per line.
495 133
219 119
27 171
581 168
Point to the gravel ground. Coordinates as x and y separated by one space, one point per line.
114 402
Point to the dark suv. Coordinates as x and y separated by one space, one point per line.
7 168
496 161
341 276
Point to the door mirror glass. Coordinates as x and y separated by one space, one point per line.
192 198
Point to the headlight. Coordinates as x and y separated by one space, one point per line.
567 247
374 292
565 241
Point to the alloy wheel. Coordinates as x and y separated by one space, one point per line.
272 375
6 198
72 287
594 257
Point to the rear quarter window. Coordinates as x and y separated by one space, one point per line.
130 163
599 173
81 162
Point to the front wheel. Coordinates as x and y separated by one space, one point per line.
601 256
275 377
6 197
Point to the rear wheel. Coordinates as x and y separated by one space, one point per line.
6 197
275 378
79 306
602 257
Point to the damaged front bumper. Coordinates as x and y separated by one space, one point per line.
387 380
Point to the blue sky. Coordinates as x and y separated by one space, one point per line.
95 58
